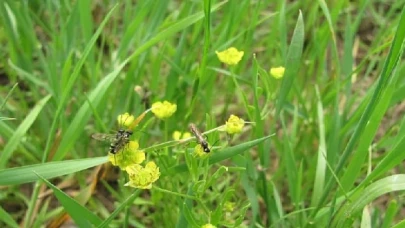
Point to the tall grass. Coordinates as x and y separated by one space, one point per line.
325 146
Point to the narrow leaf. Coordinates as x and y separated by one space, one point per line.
223 154
21 131
48 170
293 62
80 214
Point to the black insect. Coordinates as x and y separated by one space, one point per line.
118 140
200 138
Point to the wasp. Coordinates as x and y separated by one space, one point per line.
200 138
118 141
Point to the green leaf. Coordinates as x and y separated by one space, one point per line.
319 182
8 96
362 197
219 156
21 131
188 214
393 158
185 207
7 219
401 224
48 170
80 214
389 215
292 64
121 207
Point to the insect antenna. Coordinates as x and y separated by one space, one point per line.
214 144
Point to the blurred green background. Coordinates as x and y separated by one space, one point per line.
334 158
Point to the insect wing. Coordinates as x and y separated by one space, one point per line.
104 137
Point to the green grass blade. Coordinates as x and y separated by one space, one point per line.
8 95
80 214
292 64
365 196
21 131
322 159
7 219
389 215
121 207
249 188
207 41
366 218
25 174
235 150
394 157
29 76
400 224
289 163
365 141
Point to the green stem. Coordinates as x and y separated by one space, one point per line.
175 193
31 206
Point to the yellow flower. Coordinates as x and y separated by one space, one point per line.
142 177
177 135
125 119
186 135
277 72
234 124
208 225
163 110
199 151
129 155
230 56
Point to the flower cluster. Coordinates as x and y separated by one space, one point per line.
125 119
234 125
130 157
163 110
277 72
230 56
142 177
